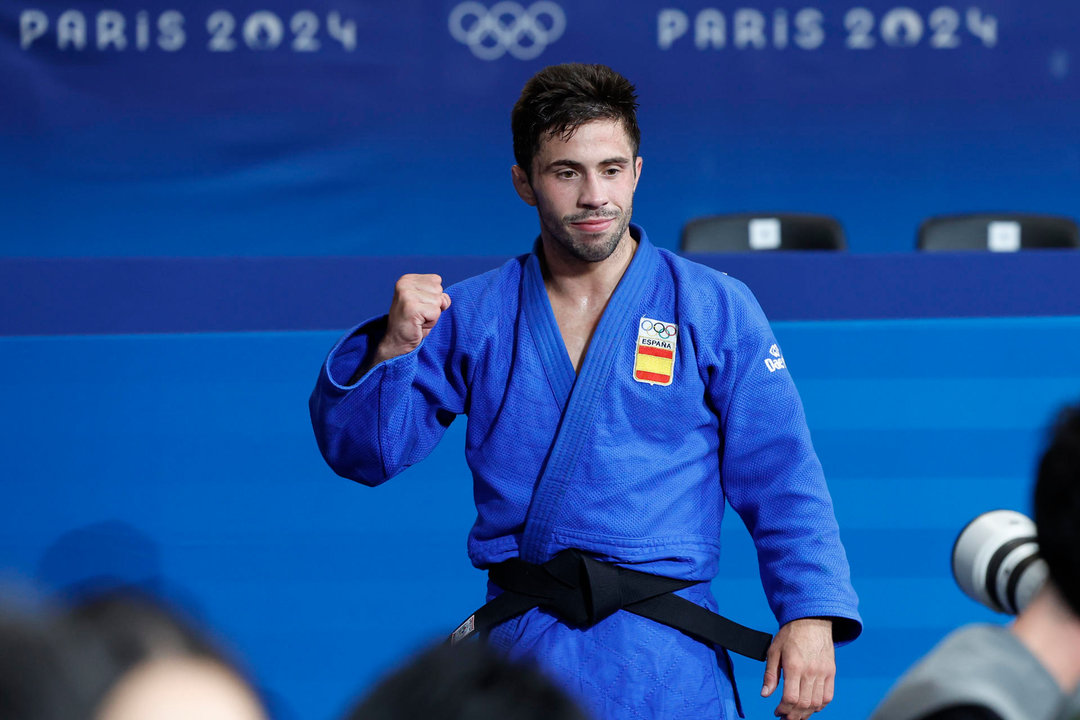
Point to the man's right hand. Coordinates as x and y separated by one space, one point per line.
418 302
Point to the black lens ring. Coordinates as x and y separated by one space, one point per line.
995 564
1014 581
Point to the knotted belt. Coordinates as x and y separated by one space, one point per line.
582 591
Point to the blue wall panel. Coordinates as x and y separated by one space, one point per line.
186 462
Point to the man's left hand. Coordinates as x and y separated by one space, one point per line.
803 651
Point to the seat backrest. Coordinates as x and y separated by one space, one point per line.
997 232
752 232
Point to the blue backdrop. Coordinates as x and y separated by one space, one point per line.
177 188
342 126
185 462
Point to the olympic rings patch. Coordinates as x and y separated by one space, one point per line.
655 328
507 27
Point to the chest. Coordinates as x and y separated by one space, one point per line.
577 322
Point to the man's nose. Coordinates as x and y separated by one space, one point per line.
593 193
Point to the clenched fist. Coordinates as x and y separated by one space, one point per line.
418 302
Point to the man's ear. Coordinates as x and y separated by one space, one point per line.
637 170
522 185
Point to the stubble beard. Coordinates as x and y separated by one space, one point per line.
595 250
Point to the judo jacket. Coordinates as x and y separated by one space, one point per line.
683 400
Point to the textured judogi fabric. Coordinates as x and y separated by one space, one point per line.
979 665
683 400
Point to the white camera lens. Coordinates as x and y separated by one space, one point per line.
996 561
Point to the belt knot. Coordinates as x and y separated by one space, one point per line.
578 588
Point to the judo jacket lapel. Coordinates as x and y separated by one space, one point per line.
582 394
545 333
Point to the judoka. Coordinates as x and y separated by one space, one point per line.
616 394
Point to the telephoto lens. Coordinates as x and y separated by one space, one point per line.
996 562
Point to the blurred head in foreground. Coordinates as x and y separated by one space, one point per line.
1057 507
466 682
180 688
157 665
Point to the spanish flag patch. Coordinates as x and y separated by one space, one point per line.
654 361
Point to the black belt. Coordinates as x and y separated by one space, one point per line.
582 591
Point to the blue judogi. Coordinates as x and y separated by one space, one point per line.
633 471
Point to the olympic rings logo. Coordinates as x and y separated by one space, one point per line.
507 28
659 329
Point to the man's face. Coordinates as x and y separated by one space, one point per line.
583 189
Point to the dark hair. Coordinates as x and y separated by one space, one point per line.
561 98
466 682
133 627
44 675
127 627
1057 506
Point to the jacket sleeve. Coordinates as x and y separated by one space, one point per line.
390 418
773 479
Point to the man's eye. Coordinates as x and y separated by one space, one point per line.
566 174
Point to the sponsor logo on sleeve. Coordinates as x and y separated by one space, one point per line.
654 361
776 362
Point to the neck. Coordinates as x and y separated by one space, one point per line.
571 277
1049 629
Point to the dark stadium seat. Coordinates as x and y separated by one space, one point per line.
997 232
755 232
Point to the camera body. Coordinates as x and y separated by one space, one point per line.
996 562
